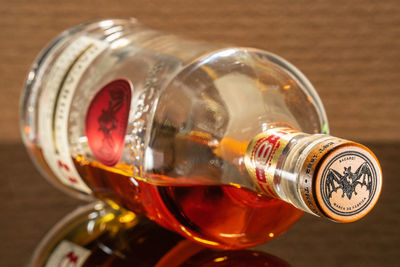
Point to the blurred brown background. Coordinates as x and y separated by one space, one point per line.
348 49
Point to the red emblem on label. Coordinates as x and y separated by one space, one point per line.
70 259
107 119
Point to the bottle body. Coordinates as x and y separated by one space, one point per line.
160 125
98 235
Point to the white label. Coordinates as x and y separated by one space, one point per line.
68 254
54 107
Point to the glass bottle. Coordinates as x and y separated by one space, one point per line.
98 235
224 145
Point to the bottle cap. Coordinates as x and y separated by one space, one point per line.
341 180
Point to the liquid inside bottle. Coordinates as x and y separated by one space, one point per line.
228 216
219 216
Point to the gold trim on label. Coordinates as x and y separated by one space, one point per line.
262 157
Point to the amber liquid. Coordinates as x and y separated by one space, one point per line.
218 216
222 217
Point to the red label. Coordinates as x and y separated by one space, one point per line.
106 121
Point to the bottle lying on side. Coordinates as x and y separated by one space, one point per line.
98 235
224 145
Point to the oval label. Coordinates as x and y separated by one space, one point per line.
107 119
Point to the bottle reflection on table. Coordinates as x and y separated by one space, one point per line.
99 235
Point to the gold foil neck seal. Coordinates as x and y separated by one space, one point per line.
340 180
263 154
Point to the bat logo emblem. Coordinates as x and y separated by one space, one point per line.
348 183
349 180
107 120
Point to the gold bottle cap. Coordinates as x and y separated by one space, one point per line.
341 180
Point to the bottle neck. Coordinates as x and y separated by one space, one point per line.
320 174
